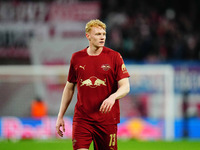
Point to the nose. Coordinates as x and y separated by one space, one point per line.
103 36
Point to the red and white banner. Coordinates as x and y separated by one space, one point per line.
82 11
44 128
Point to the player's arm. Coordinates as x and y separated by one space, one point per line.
65 101
123 90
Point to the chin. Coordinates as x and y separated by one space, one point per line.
102 45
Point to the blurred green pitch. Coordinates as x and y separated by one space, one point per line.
122 145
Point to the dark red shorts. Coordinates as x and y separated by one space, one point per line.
104 137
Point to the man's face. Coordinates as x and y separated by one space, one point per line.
97 36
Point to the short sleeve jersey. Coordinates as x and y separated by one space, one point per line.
97 78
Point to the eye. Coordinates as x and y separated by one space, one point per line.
100 33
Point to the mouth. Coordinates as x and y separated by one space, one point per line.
101 42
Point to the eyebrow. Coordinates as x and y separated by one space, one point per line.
100 33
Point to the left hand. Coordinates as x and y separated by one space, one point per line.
107 104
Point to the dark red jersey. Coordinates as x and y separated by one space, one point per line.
96 78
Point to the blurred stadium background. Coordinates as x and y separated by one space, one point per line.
158 39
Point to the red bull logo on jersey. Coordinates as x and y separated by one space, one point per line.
93 82
105 67
86 82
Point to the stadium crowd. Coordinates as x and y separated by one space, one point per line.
153 31
149 31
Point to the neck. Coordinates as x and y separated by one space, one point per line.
94 50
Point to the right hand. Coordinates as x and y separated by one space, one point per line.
60 123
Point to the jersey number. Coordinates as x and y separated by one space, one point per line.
112 139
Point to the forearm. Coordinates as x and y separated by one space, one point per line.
66 99
123 89
121 92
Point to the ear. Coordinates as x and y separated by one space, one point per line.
87 36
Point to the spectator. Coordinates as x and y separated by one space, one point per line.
38 108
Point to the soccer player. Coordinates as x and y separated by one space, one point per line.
101 79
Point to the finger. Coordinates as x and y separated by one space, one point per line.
110 107
107 109
102 107
63 126
57 128
60 133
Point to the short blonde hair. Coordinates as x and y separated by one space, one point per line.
94 23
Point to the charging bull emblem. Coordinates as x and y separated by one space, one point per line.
93 82
86 82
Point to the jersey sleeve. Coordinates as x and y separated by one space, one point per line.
72 72
121 71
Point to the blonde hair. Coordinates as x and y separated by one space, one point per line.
94 23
